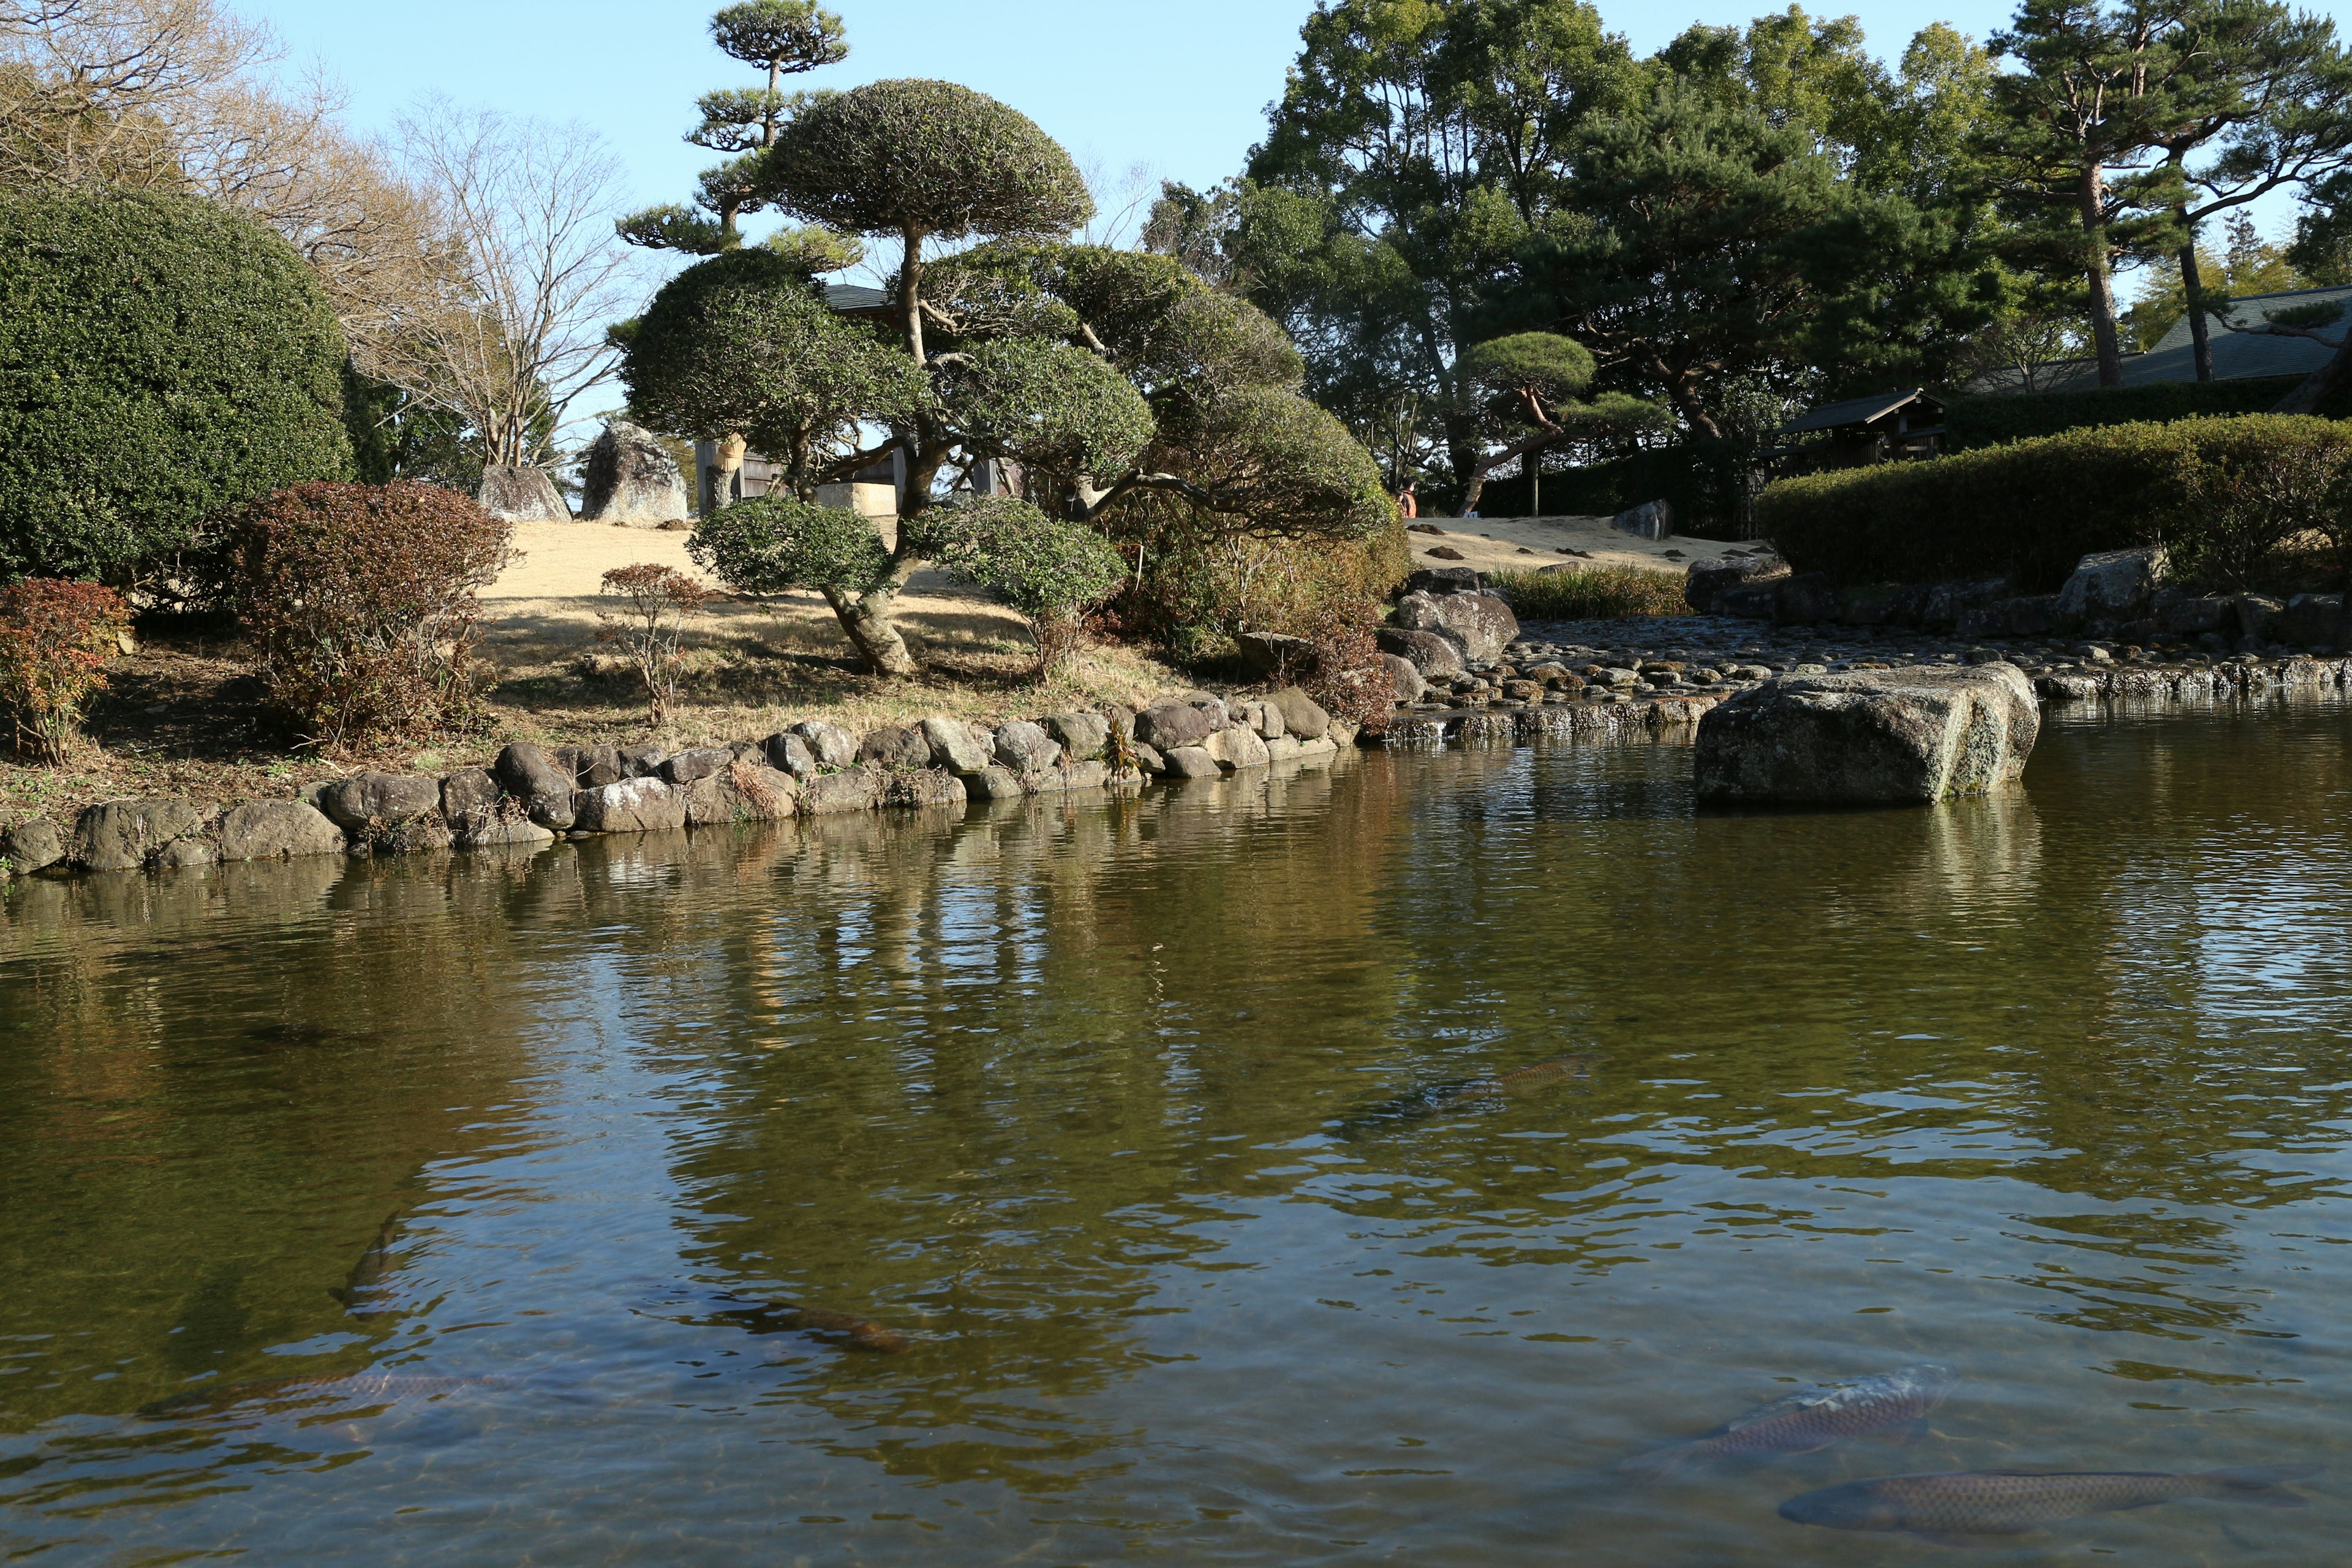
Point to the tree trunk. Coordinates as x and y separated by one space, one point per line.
910 300
1461 456
728 452
2192 286
865 620
2308 394
2091 195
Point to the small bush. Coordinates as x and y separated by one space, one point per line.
1194 590
659 599
1590 593
1051 573
2214 492
161 357
55 640
772 544
361 600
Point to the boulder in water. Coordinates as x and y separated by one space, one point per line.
1869 737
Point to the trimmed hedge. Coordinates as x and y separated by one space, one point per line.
1993 421
2219 494
160 358
1698 490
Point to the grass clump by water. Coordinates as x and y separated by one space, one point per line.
1589 593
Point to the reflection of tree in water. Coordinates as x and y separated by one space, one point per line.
995 1091
223 1083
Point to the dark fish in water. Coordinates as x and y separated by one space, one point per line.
1808 1422
369 1273
854 1332
1971 1503
1438 1098
362 1388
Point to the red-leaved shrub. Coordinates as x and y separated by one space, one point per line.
55 640
361 598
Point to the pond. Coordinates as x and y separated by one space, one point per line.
468 1211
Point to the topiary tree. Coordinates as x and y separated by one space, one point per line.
1051 573
782 38
160 358
1532 381
1102 377
922 161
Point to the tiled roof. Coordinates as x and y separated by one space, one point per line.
1853 411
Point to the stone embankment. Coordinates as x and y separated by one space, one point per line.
529 796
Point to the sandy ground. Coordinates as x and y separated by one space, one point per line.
1525 544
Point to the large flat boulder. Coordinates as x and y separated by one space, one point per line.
632 805
277 829
2113 584
1479 625
122 835
1877 737
1708 578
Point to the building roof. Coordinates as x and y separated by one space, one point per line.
849 297
1859 411
2237 356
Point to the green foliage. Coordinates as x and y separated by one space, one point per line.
1056 408
160 358
773 544
2220 493
1540 364
360 600
1589 593
813 248
1050 571
670 226
1276 463
923 158
743 342
56 638
395 436
1991 420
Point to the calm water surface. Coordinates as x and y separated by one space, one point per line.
1088 1103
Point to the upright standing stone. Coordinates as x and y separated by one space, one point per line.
630 480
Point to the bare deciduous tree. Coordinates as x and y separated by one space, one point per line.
512 326
98 90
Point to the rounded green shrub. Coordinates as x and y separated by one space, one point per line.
160 358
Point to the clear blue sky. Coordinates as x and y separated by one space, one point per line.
1182 86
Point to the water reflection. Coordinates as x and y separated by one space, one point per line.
1085 1102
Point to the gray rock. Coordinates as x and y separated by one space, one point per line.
916 788
2194 615
1171 724
592 767
2313 620
1431 656
1746 601
1650 520
695 762
993 783
1404 679
281 829
505 833
467 798
1210 707
521 495
1237 746
829 793
835 746
2258 616
1082 737
1480 626
122 835
955 746
1708 578
1806 598
1301 715
1090 774
1444 580
2113 584
743 791
632 805
1870 737
1269 653
417 835
371 800
895 746
1190 763
630 479
34 845
546 791
1149 761
787 753
187 854
1282 749
642 761
1026 748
